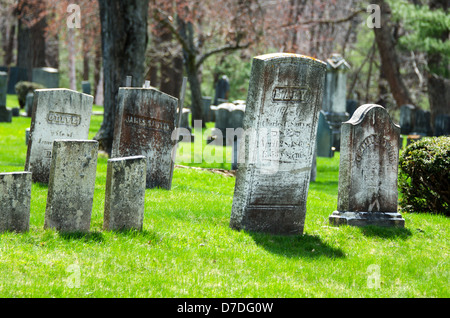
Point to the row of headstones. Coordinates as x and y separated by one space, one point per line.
415 121
47 76
285 96
71 191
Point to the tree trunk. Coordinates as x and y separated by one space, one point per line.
8 45
124 41
31 36
71 49
389 60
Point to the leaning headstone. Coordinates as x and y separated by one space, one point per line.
274 164
144 124
57 114
367 193
71 185
442 125
86 87
407 119
334 102
324 137
125 193
15 196
47 76
5 114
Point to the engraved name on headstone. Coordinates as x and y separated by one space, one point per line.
284 99
144 124
367 193
57 114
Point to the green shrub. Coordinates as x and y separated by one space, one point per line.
424 176
23 88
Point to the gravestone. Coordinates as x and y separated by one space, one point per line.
334 102
27 135
221 90
86 87
47 76
324 137
15 111
350 106
5 114
57 114
442 125
29 104
422 123
276 153
125 193
367 193
15 196
144 124
16 74
229 117
407 119
208 113
71 185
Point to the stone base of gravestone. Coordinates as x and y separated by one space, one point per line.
5 115
125 193
71 185
367 218
15 196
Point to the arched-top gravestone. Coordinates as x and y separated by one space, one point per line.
276 153
368 170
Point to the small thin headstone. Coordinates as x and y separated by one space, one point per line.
27 135
367 193
29 104
15 197
324 137
407 119
71 185
5 114
86 87
125 193
57 114
145 120
274 166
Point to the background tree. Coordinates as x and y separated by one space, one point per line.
124 42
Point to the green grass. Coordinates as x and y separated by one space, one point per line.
186 248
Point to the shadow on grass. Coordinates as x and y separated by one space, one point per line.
297 246
385 232
87 237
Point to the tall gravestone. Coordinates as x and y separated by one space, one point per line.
275 157
57 114
15 196
368 169
334 102
71 185
5 114
144 124
125 193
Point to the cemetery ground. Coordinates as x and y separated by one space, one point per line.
187 249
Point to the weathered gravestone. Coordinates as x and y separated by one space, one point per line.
57 114
125 193
274 165
47 76
367 193
15 196
442 125
334 102
407 119
71 185
5 114
324 137
144 124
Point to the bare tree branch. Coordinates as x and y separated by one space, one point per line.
225 48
